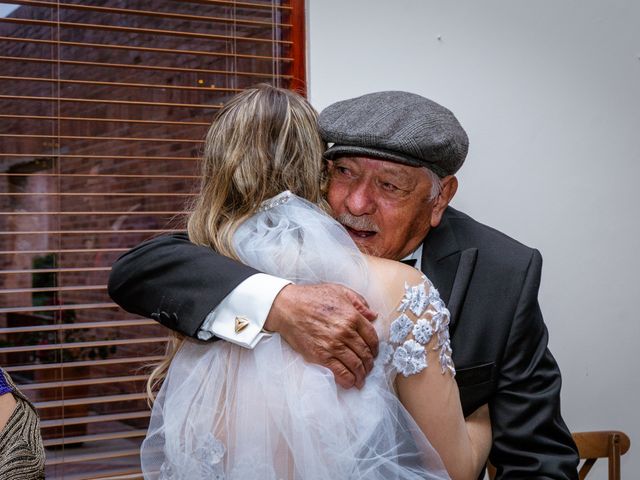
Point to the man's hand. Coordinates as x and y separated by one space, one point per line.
329 325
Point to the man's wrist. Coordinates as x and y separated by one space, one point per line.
273 321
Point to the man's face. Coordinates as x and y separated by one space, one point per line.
385 206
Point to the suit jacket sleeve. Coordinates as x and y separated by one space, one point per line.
530 439
173 281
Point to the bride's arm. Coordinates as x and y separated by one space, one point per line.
463 445
431 395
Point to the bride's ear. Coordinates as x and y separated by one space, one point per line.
448 190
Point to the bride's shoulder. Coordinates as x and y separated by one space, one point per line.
384 265
394 275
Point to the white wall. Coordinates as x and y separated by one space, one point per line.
549 93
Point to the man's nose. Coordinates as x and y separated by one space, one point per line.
360 200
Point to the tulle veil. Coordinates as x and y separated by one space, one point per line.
225 412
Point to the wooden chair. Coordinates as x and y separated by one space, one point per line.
606 444
609 444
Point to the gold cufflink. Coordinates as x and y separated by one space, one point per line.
241 324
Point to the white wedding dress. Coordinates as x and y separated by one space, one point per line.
225 412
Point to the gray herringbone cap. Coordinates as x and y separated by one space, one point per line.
398 126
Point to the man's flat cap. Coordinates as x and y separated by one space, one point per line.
398 126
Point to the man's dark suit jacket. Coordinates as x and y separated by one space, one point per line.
490 285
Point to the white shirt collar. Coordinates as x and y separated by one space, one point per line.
417 256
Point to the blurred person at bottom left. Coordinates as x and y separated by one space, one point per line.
21 451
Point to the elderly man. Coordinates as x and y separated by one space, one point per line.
391 170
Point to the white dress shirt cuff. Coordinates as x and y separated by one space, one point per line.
240 316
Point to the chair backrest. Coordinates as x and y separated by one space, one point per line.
608 444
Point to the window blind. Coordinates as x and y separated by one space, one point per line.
103 109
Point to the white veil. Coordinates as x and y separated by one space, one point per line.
225 412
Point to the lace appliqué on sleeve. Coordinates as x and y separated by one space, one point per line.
409 356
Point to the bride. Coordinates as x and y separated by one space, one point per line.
224 412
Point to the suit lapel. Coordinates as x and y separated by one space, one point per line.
448 267
460 285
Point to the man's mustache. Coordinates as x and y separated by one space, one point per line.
363 223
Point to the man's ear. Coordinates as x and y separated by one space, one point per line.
448 190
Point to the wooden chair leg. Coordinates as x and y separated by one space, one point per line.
586 467
614 457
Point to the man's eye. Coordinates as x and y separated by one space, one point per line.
390 187
343 170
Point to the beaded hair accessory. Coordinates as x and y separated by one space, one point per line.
273 202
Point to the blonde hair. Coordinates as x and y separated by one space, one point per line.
263 141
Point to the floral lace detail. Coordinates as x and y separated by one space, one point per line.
210 454
410 357
415 299
444 344
166 472
204 462
400 328
211 451
272 202
423 331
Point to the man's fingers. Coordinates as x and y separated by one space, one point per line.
351 361
343 376
369 335
361 305
362 350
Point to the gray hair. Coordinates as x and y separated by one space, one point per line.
436 184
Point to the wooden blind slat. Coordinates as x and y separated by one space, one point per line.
129 474
96 438
81 213
103 139
209 89
148 49
78 325
75 288
108 101
59 308
143 67
87 457
120 475
85 232
83 363
84 382
92 156
55 270
230 3
92 194
146 31
104 120
128 397
146 13
102 175
101 343
94 419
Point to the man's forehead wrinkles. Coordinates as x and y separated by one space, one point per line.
385 166
397 170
